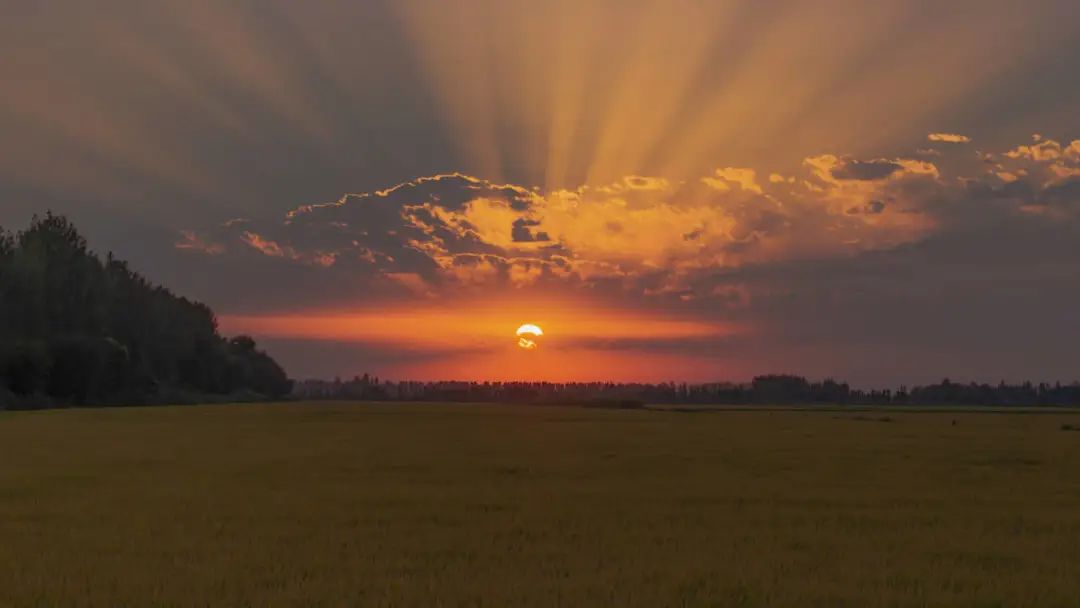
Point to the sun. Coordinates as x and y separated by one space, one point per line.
527 335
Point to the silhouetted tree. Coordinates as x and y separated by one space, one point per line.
780 389
80 330
764 390
254 369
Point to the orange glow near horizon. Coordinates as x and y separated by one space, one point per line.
480 342
571 364
452 330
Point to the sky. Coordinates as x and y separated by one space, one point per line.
886 193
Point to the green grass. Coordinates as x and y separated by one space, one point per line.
428 505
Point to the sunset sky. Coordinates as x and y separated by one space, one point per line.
884 192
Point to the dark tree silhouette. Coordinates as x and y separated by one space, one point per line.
78 330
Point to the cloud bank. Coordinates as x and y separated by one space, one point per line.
648 235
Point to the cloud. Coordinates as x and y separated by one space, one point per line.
746 179
872 208
869 170
521 232
265 246
949 138
1061 159
191 241
644 236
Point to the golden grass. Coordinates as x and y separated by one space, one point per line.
425 505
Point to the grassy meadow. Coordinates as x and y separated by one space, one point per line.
486 505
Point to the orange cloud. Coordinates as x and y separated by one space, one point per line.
1046 161
192 241
949 138
455 233
266 246
744 178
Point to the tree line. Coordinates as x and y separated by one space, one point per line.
774 389
76 329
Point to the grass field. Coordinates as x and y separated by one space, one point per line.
426 505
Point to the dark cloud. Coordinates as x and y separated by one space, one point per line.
871 208
1065 195
866 170
522 232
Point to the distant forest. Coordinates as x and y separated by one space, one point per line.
79 330
777 389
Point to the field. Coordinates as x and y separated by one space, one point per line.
426 505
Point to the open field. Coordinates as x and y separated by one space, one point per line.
424 505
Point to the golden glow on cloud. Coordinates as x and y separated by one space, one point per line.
464 237
746 179
949 138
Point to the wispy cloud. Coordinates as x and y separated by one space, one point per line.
950 138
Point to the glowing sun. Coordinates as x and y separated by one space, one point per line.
527 335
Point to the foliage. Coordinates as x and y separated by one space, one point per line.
82 330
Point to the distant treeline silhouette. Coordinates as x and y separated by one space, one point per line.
777 389
79 330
